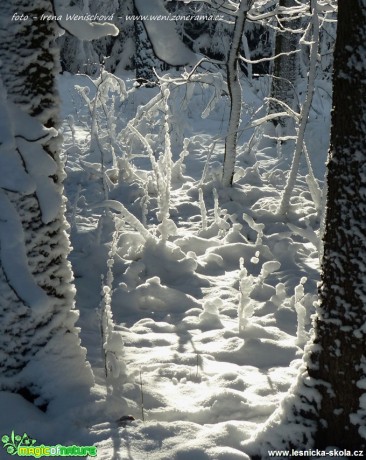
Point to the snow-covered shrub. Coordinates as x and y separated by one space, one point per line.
246 307
203 209
220 216
104 104
302 336
127 217
280 296
258 228
112 341
162 164
210 316
179 167
253 289
267 269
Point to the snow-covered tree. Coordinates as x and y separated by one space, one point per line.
235 93
123 49
145 59
327 406
41 357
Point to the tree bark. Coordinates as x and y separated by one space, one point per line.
338 358
326 406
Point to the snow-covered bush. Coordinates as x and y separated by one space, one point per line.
104 104
112 340
246 307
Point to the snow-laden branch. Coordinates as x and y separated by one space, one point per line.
326 6
279 10
25 166
127 216
271 116
271 58
17 177
27 127
289 110
221 6
73 20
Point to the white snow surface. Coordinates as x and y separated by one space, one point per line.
197 384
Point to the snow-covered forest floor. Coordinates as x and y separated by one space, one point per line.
210 290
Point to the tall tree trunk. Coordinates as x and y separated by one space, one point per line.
339 357
41 357
326 407
285 68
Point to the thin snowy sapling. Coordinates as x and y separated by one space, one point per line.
313 42
302 337
110 93
203 210
167 227
234 92
112 341
162 167
258 228
245 307
142 397
221 222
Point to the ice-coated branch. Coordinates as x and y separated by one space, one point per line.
73 20
266 59
255 15
129 218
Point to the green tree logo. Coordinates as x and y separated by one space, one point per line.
13 442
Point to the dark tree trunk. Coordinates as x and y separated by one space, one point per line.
339 361
326 407
285 67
